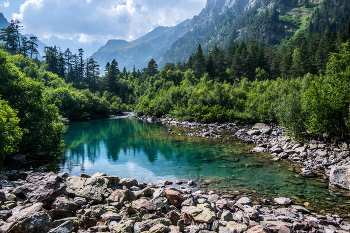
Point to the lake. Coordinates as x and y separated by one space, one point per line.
147 152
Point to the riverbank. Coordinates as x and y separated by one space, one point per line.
323 157
45 202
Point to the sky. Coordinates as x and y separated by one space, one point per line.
91 23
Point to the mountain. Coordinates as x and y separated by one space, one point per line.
270 22
3 21
140 51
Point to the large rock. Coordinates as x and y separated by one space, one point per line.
63 203
66 227
236 227
200 213
41 187
89 188
121 195
128 182
174 197
148 224
283 200
38 223
19 213
340 177
142 203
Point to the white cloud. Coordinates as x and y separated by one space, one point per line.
5 4
88 20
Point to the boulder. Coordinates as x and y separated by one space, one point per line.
260 126
38 223
259 149
41 187
283 200
174 197
236 227
79 201
142 203
244 201
122 227
159 228
276 149
253 132
307 173
148 224
110 216
89 188
63 203
147 192
340 177
257 229
74 220
128 182
66 227
19 213
121 195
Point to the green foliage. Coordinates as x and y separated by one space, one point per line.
38 117
328 98
10 133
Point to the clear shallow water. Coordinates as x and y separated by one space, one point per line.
135 149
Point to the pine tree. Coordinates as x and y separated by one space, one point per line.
152 68
199 62
112 76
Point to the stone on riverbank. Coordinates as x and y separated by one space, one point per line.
340 177
41 187
88 188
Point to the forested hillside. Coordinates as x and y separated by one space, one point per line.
270 22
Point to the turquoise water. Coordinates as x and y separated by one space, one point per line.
135 149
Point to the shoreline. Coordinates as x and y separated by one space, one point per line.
315 157
46 202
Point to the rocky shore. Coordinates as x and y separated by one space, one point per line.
46 202
324 156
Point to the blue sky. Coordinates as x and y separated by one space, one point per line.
93 22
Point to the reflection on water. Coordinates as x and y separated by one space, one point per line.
135 149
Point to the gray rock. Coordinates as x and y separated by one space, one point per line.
283 155
307 173
276 149
260 126
321 153
340 177
191 183
63 203
244 201
259 149
66 227
253 132
128 182
88 188
79 201
20 212
38 223
41 187
283 200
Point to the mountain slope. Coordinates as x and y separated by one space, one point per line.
269 22
140 51
3 21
